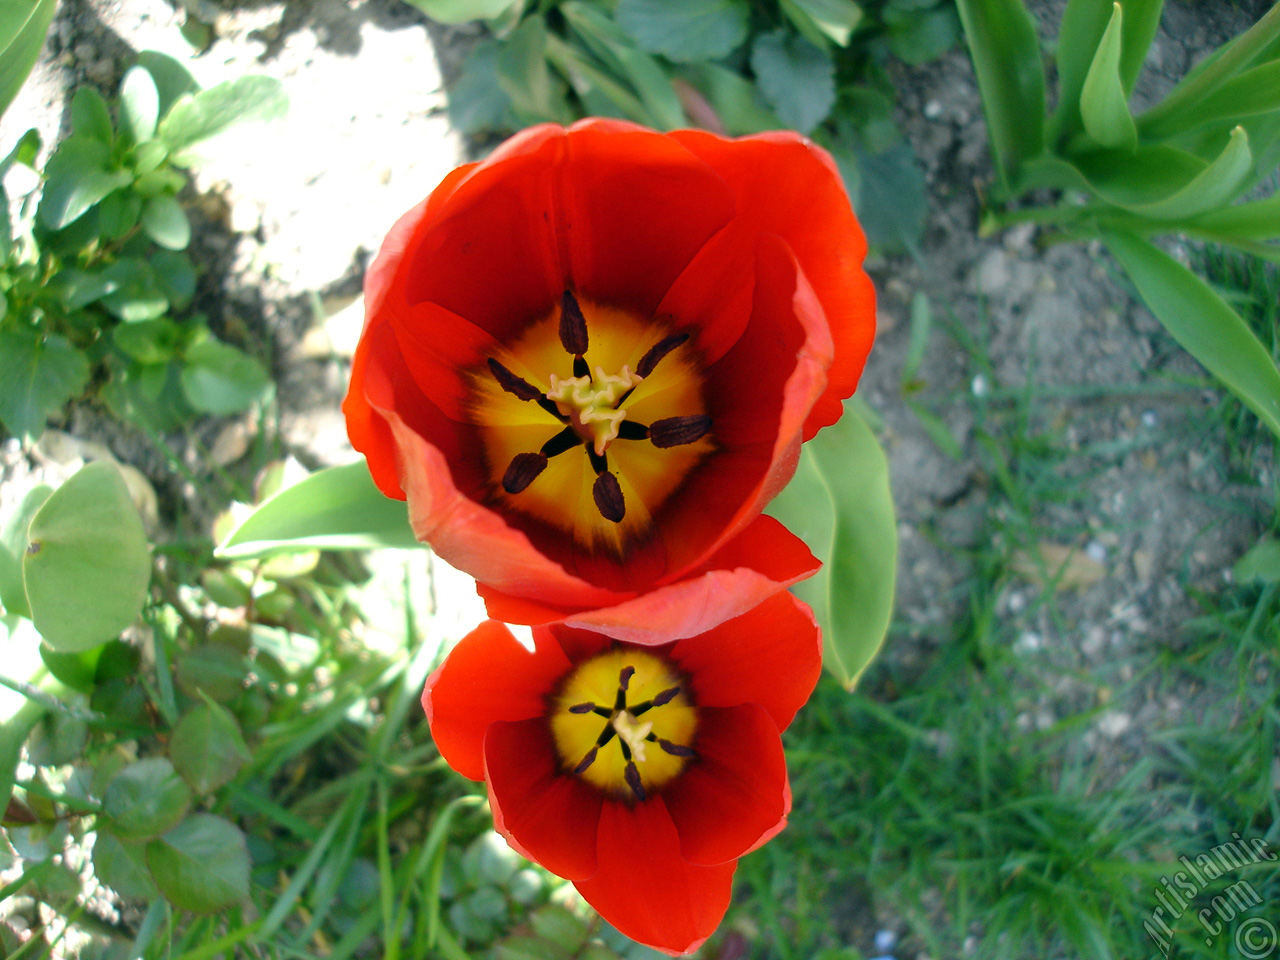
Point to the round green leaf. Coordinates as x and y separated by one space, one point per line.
683 31
122 867
797 78
840 504
165 222
139 105
462 11
201 865
219 379
207 748
212 669
86 566
145 799
13 544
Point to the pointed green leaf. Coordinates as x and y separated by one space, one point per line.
196 118
1006 58
207 747
682 31
840 504
171 78
1257 220
90 116
1261 563
122 867
145 799
1203 323
87 564
23 25
1141 20
77 176
836 19
335 509
1104 106
1253 92
201 865
37 376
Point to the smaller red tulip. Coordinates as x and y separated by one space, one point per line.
641 773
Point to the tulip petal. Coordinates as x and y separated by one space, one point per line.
546 815
645 888
486 678
788 186
771 656
761 561
637 208
734 796
368 430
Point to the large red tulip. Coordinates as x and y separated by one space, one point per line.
589 362
640 772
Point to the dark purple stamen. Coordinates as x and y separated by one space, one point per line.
624 677
632 774
522 471
675 749
586 761
608 497
582 707
657 352
573 326
509 382
677 431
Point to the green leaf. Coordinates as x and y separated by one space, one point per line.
148 341
90 116
213 670
1142 19
797 78
78 175
840 504
165 222
207 748
1261 563
171 78
1257 220
37 376
682 31
477 102
923 35
139 105
1202 322
122 867
135 293
893 203
217 378
734 98
150 396
145 799
118 214
87 565
1213 187
13 544
201 865
836 19
23 25
1104 105
462 11
338 508
79 671
522 71
1006 58
148 155
1253 92
197 118
176 276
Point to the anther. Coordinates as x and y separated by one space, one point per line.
522 471
586 761
632 775
624 677
677 431
511 383
573 326
675 749
657 352
607 495
582 707
666 696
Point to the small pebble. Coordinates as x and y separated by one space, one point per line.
979 386
885 940
933 109
1149 419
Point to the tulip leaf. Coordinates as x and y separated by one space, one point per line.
797 78
23 25
1203 323
1006 58
1104 105
338 508
1257 220
834 19
1213 187
840 504
202 864
462 11
1253 92
682 31
87 566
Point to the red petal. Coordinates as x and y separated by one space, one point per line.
637 208
578 645
437 346
547 815
734 796
487 677
771 656
788 186
472 537
761 561
645 887
368 430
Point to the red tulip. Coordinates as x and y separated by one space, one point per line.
639 772
589 362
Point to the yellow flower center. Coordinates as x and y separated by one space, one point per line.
623 721
591 433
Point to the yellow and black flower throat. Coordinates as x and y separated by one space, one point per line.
590 420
